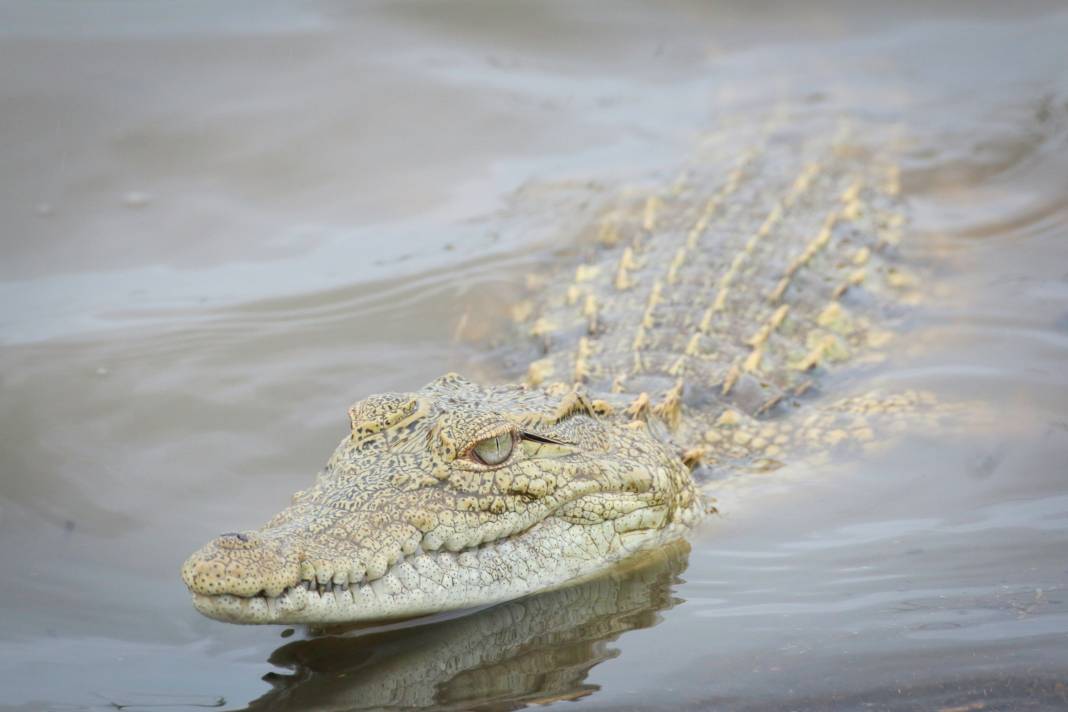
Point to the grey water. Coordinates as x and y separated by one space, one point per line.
223 224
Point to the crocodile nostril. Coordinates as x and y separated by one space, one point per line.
236 535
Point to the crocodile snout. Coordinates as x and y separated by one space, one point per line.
242 564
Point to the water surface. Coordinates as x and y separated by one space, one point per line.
223 226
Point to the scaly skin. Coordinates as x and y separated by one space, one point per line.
686 338
405 521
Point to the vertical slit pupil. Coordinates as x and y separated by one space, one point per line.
495 450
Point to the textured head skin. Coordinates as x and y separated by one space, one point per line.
407 519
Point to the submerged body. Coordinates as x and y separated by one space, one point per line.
689 336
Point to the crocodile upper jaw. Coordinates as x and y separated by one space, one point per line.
551 554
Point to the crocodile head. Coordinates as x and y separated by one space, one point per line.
451 497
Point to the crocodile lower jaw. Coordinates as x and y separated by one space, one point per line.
552 554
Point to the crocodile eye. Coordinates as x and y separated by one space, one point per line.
495 450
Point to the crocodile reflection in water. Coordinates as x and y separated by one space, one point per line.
532 650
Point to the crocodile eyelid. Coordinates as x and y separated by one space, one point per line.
534 437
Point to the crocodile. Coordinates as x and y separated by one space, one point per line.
686 344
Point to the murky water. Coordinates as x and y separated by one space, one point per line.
222 226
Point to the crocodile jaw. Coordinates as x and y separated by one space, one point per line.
552 554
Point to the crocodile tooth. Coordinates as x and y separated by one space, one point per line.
377 567
363 593
298 598
357 573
